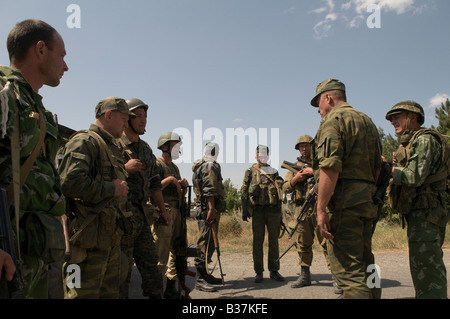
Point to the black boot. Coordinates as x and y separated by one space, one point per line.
171 290
304 279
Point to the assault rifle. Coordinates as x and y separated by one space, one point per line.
310 200
182 250
383 182
382 185
15 287
294 168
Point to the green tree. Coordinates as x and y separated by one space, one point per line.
443 115
388 143
232 198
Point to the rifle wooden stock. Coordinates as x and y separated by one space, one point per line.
291 167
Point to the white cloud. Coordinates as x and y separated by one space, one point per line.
353 12
438 99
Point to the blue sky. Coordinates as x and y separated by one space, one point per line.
250 64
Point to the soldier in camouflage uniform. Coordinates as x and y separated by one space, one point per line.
347 162
299 186
93 179
33 46
145 184
417 192
210 203
261 199
174 189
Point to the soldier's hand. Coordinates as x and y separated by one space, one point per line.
183 182
323 221
6 264
166 218
121 188
211 216
133 166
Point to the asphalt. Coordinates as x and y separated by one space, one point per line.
395 279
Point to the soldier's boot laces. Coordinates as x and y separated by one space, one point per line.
304 279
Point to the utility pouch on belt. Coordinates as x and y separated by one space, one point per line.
44 237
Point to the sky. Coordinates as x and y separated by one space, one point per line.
241 72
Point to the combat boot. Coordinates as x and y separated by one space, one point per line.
202 285
171 291
304 279
210 279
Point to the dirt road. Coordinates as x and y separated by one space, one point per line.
394 272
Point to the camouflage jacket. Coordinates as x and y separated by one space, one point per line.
418 158
207 180
347 141
148 180
42 189
83 175
300 190
165 170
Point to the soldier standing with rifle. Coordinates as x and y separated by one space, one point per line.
174 189
28 135
210 203
299 186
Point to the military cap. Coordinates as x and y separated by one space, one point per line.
136 103
327 85
262 149
407 106
167 137
112 104
303 139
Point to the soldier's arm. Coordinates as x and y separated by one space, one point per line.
427 153
77 178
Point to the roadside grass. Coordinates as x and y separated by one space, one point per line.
235 236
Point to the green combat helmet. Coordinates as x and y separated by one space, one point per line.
408 106
303 139
167 137
136 103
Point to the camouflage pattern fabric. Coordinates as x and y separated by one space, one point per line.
138 245
41 192
255 190
207 180
427 217
84 176
347 141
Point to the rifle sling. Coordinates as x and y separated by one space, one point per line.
20 173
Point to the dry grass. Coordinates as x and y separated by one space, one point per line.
235 236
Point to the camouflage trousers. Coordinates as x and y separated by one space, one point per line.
307 229
266 217
139 248
35 276
165 236
425 240
101 274
350 252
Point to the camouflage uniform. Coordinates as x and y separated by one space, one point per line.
347 141
260 192
207 181
417 192
307 227
139 244
41 193
165 235
91 162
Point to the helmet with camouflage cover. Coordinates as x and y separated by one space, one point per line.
303 139
407 106
136 103
167 137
